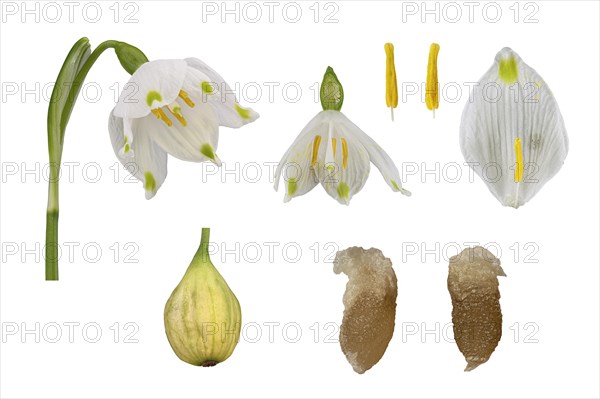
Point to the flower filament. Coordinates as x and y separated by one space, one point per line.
176 111
160 114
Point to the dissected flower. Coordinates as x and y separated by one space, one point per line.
512 133
333 151
176 107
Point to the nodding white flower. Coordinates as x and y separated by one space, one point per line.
333 151
175 107
512 133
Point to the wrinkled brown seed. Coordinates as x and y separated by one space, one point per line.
476 315
370 305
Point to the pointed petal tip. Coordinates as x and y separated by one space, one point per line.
506 53
217 161
130 154
342 200
405 192
150 194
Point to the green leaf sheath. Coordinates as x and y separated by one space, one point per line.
60 94
75 68
76 57
77 82
129 56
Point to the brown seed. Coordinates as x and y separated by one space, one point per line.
476 314
370 305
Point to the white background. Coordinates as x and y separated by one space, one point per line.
557 295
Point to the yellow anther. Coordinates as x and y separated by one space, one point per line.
391 85
333 146
431 86
184 96
315 152
160 114
344 153
176 111
519 161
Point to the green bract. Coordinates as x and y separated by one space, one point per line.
59 110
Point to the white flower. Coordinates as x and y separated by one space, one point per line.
512 133
175 107
335 152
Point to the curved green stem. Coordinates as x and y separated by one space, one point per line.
78 82
72 74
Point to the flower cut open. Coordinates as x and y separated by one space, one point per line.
512 133
175 107
333 151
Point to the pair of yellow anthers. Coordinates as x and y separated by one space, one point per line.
317 143
431 85
175 109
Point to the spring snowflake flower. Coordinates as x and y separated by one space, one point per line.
175 107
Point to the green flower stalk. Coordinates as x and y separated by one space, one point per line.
78 63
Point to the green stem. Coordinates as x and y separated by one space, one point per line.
56 146
78 82
52 245
202 256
